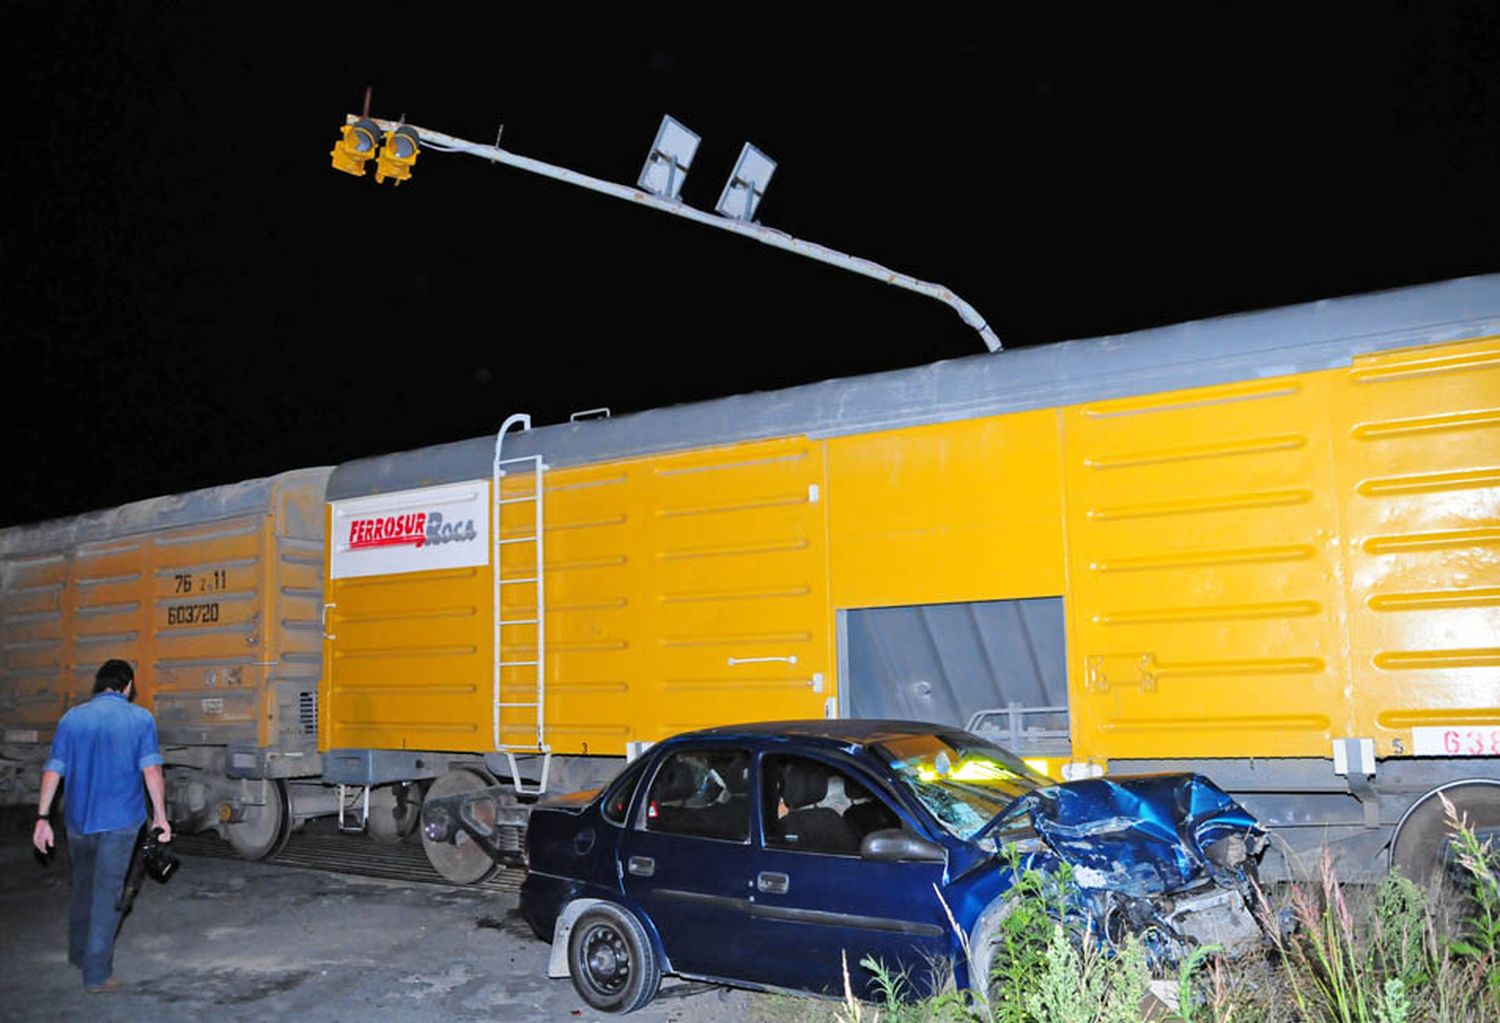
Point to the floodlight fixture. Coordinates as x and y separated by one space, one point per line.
670 157
746 185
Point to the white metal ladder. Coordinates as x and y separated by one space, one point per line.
532 616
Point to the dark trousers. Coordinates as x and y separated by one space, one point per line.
100 862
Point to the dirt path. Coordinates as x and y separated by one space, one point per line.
228 941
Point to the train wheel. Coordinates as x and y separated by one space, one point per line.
394 814
461 861
1421 839
263 830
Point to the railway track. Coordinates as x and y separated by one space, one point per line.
319 847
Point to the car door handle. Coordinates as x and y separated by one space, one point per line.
641 866
772 883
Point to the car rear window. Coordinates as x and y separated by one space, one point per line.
703 793
617 800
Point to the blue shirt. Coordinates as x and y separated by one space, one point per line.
100 748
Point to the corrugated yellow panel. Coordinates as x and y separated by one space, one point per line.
957 511
296 634
1417 445
681 591
34 644
1205 603
736 599
410 662
110 591
595 586
208 616
208 597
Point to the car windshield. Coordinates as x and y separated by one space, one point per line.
962 781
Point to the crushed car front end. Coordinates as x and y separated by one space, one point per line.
1170 858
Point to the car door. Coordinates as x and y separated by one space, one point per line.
817 903
686 860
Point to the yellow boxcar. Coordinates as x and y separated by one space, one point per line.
1262 547
214 598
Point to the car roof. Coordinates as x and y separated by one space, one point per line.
837 732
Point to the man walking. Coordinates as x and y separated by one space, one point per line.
104 748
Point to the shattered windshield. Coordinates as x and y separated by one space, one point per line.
962 781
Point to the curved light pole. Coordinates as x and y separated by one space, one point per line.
769 236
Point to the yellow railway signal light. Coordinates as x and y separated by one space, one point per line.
402 147
357 143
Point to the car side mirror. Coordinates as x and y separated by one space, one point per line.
897 846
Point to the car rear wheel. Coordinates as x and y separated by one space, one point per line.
611 960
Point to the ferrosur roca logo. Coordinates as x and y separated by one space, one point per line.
419 529
411 531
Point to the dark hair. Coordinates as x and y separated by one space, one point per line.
114 675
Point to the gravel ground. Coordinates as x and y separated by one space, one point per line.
227 940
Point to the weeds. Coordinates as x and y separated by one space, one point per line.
1328 977
1477 944
1186 997
1401 947
1023 943
1080 984
1388 955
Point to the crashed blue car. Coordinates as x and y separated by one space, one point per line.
770 855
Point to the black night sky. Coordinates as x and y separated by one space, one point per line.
190 296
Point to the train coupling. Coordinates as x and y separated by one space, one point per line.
490 817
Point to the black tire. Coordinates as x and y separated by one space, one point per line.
987 939
611 960
983 944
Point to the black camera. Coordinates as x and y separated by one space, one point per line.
158 859
151 857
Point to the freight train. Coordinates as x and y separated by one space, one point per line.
1265 547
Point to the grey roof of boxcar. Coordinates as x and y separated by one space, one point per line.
1300 338
192 508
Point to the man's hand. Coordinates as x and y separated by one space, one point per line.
156 788
41 836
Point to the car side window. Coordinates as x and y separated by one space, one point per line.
811 806
703 793
617 799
